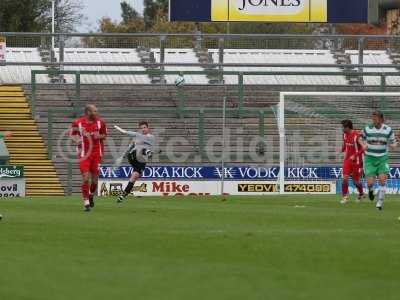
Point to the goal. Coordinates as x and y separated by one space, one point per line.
310 135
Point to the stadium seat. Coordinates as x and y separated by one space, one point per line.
26 147
181 56
372 57
242 56
100 55
21 74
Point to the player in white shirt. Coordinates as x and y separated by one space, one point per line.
138 154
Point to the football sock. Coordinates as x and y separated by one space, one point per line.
93 188
85 190
128 188
360 188
381 193
371 195
345 188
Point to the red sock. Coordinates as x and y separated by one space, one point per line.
93 188
345 188
360 188
85 190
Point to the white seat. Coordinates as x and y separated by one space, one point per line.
21 74
373 57
106 55
244 56
181 56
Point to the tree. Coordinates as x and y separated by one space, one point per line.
131 21
24 15
35 15
68 15
128 13
360 29
152 9
161 24
393 21
131 26
106 25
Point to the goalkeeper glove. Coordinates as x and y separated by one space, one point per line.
147 153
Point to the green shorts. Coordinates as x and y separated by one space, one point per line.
374 166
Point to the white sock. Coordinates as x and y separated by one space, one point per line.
381 193
86 202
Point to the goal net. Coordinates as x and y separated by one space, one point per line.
311 137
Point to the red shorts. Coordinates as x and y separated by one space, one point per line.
91 165
353 169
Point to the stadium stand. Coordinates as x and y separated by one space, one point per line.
21 74
26 147
181 56
104 55
135 92
375 57
395 56
281 56
168 126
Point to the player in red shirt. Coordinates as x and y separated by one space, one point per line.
353 160
89 133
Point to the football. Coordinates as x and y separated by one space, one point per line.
180 81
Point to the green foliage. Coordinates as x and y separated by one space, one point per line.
128 13
35 15
152 9
23 15
109 26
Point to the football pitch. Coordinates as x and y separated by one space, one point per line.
291 247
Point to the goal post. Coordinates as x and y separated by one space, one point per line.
310 133
282 148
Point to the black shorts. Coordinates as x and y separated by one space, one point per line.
136 165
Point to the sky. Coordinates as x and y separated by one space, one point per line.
95 9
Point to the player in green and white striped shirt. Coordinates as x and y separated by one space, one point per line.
378 138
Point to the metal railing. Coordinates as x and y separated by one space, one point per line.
182 105
199 41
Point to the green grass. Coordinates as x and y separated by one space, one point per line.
199 248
